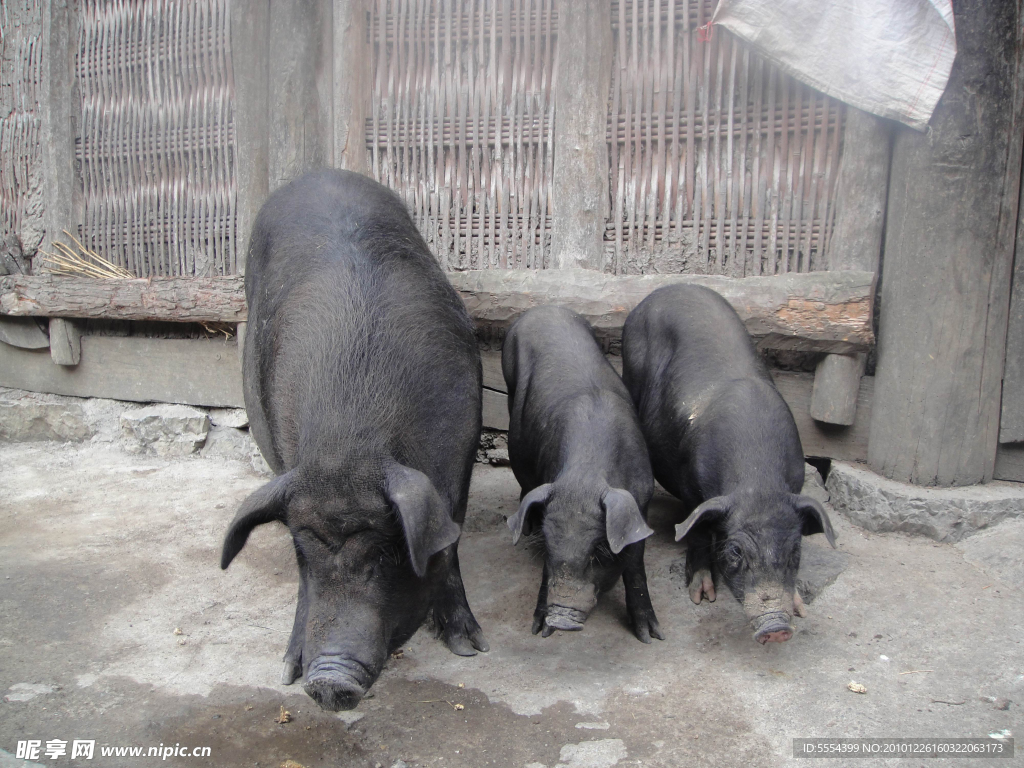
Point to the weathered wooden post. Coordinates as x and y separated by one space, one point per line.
351 84
952 213
856 243
579 189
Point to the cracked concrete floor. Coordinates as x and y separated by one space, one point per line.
105 556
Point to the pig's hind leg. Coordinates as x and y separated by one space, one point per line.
638 596
293 656
454 620
699 557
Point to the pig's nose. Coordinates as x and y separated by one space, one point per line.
336 684
773 627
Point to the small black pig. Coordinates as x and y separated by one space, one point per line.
362 385
723 440
578 453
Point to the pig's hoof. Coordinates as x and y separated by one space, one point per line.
645 626
798 605
538 622
292 671
700 585
548 631
464 637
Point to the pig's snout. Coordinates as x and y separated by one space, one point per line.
337 683
773 627
569 604
565 619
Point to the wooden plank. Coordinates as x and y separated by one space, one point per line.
65 342
176 299
836 383
190 371
951 218
1010 463
1011 418
495 409
579 187
821 310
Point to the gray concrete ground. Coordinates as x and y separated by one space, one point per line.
117 625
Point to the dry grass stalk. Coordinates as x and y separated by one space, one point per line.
80 262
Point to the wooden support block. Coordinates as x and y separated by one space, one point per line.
836 384
22 332
240 336
65 342
495 406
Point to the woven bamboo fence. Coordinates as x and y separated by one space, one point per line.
719 163
21 67
156 141
461 126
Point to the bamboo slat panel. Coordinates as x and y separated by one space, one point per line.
720 164
461 125
156 140
21 69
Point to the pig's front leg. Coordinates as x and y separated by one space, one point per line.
699 556
638 597
540 613
293 656
455 621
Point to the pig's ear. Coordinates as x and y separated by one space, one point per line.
710 511
265 505
815 518
623 521
539 496
428 526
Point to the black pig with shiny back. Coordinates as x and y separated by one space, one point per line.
578 453
362 385
723 440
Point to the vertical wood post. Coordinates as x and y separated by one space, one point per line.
579 189
856 244
65 341
60 42
1011 423
250 49
351 84
300 88
951 218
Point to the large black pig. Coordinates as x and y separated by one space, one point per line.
723 440
362 385
578 453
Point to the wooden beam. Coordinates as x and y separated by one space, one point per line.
174 299
952 215
191 371
579 187
822 311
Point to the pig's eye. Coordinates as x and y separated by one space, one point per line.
733 555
